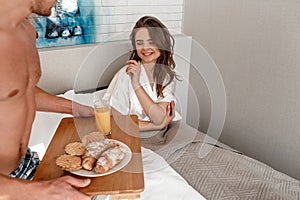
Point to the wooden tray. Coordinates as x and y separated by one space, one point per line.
128 180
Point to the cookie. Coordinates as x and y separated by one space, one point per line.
92 137
69 162
75 149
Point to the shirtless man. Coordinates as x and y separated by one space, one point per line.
19 100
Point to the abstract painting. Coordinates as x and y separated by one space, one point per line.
71 22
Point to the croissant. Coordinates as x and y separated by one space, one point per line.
94 151
109 159
88 162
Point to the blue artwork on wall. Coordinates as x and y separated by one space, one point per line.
71 22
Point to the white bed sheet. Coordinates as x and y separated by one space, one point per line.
161 181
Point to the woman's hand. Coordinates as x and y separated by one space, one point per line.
170 114
134 70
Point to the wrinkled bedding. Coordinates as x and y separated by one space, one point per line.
217 171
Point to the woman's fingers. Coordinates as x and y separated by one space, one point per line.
170 109
134 70
132 65
134 62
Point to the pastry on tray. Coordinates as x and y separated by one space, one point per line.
94 151
109 159
75 149
99 155
69 162
92 137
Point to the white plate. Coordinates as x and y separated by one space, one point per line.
123 163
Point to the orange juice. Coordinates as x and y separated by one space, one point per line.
102 116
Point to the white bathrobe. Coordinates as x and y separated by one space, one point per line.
121 96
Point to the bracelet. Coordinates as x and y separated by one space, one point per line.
135 89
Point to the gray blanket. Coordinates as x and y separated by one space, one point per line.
217 171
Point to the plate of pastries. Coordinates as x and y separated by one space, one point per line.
94 156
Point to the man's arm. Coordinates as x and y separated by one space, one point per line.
52 103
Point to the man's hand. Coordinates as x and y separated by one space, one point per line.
79 110
62 188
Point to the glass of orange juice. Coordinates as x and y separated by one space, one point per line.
102 117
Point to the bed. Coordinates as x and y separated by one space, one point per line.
219 172
198 166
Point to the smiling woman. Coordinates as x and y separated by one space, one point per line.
146 85
150 35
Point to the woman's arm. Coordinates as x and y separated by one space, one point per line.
52 103
145 125
155 111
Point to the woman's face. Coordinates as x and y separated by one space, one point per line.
146 49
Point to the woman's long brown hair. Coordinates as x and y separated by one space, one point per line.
162 38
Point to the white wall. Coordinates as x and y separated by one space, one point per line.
256 46
115 18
